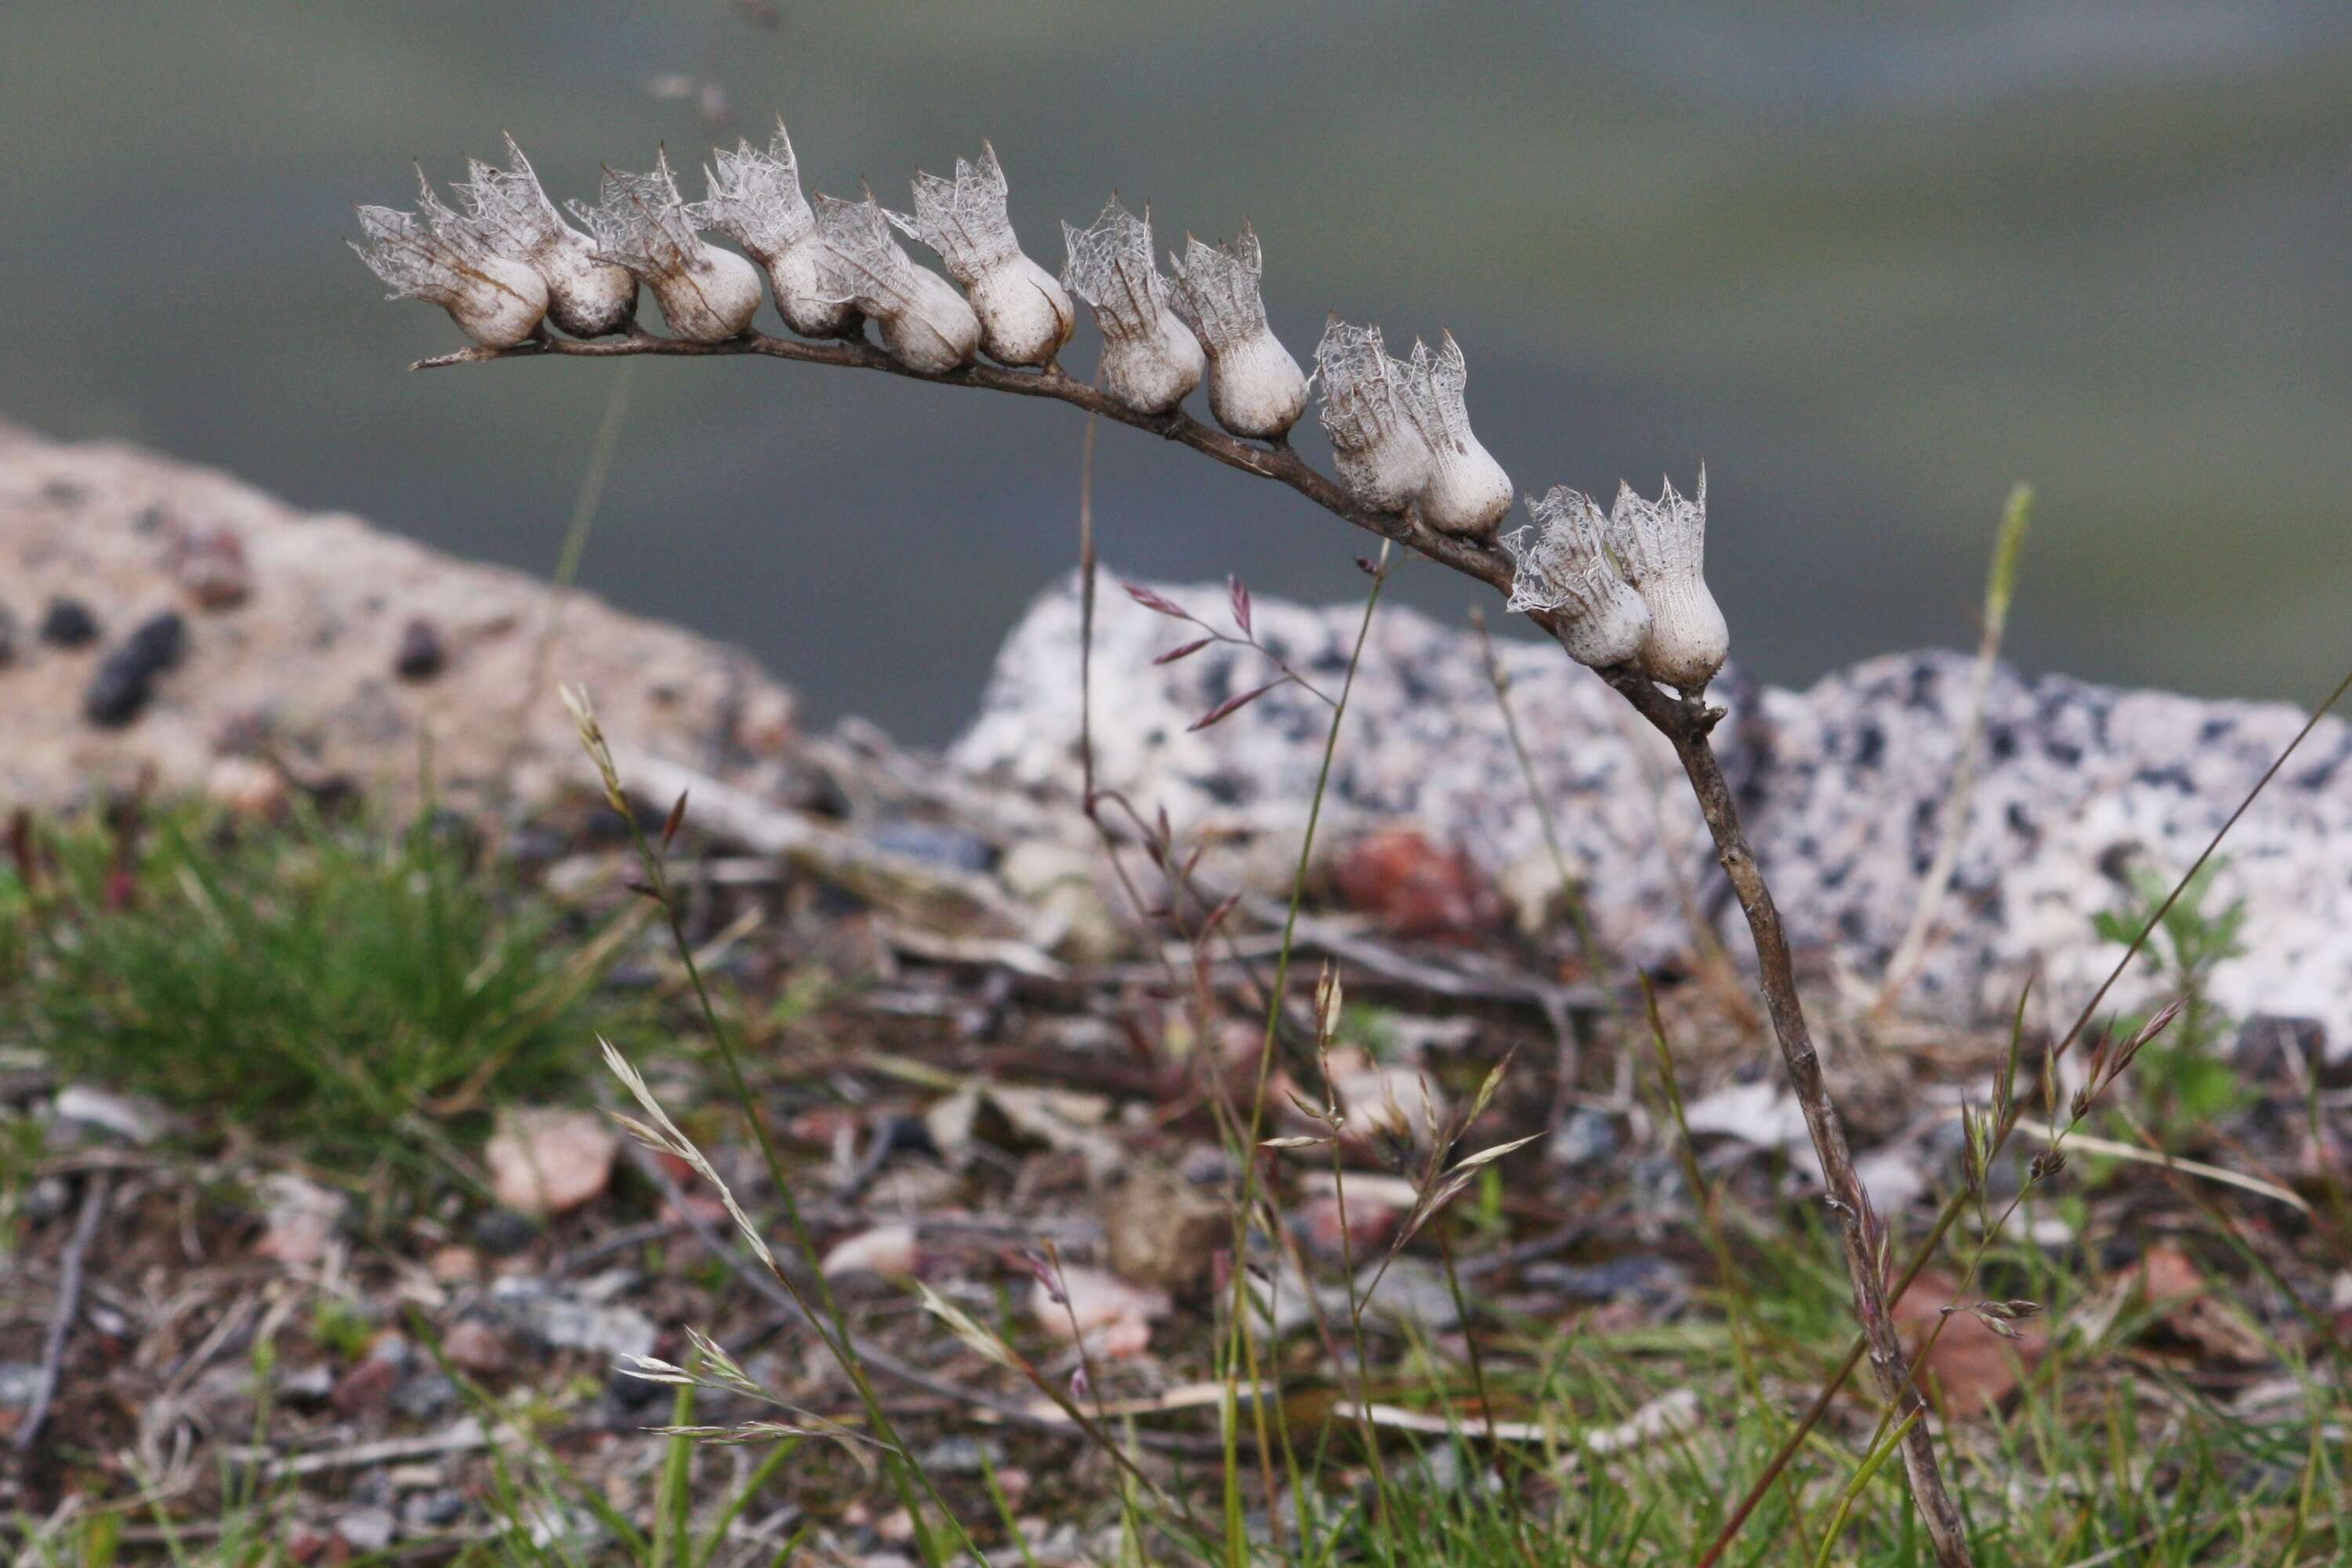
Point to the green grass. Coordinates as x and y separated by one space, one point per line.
356 992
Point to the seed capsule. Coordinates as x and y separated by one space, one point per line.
755 199
1026 316
707 295
585 297
1151 361
440 256
1467 491
1564 568
1662 545
1382 460
926 325
1255 388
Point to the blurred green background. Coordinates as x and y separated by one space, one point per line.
1870 262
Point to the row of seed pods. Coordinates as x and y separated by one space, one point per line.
510 263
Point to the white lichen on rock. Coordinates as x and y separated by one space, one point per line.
753 197
640 222
437 255
1151 359
1255 388
1563 567
926 325
585 297
1662 545
1382 461
1026 316
1467 492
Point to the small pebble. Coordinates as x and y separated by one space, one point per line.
366 1530
473 1345
502 1233
420 655
68 623
208 561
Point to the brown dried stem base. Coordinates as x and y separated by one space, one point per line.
1684 722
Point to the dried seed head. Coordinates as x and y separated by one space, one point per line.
754 199
1026 316
1151 359
1564 565
439 257
1467 491
1662 546
1382 460
1255 388
925 324
707 295
585 297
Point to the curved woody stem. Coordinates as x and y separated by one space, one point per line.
1686 723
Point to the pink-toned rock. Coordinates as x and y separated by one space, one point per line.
453 1265
130 533
547 1162
1415 887
301 1219
475 1347
888 1250
1111 1316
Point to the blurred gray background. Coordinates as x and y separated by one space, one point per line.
1870 263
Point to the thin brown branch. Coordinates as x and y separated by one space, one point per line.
1684 723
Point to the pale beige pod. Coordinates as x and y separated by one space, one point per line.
925 324
1562 567
1026 315
707 295
754 199
439 258
1662 545
1382 461
1150 360
1467 493
1255 388
585 297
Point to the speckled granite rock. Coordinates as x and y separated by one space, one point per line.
317 654
1843 785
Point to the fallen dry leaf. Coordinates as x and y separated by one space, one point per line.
547 1162
1972 1368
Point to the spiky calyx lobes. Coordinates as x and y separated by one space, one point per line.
926 325
586 298
1255 388
1150 360
1467 493
1564 568
1662 545
1026 316
707 295
1382 461
496 302
753 197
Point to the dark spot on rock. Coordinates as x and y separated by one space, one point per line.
1224 787
2174 777
2020 824
68 623
1923 687
420 656
2002 742
1849 925
62 493
2215 729
2065 753
126 679
1870 745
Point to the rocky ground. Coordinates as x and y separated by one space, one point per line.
1006 1064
